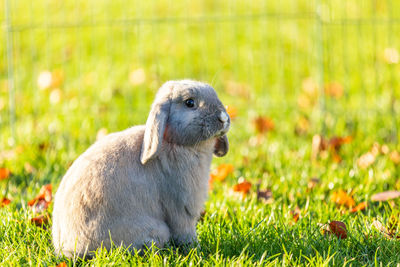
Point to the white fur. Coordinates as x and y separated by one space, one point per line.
112 190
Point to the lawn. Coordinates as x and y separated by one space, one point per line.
296 73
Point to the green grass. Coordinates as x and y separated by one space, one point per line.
267 50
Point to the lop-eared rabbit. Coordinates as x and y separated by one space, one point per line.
146 184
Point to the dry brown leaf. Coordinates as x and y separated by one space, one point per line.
361 206
221 172
243 187
5 202
339 229
395 157
313 182
296 214
263 124
42 201
341 198
366 160
232 112
385 196
41 221
334 89
4 173
264 195
320 144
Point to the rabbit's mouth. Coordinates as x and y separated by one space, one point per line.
221 146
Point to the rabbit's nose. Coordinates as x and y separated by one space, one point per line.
223 117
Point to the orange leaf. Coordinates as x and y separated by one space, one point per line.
243 187
334 89
395 157
384 196
62 264
359 207
221 172
41 220
4 173
232 112
263 124
42 200
4 202
343 199
336 142
296 214
338 228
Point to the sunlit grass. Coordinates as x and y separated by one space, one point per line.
112 57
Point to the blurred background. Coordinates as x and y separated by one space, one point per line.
71 70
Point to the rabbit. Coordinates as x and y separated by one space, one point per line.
147 184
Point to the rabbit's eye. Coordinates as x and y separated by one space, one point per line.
189 103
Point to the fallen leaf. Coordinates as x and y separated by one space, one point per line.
221 172
320 144
263 124
4 202
42 201
339 229
391 55
334 89
62 264
336 142
366 160
242 186
43 146
313 182
296 214
232 112
395 157
263 195
385 196
41 220
341 198
361 206
4 173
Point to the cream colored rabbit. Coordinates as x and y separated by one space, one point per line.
145 184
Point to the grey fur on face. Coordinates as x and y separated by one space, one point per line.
146 184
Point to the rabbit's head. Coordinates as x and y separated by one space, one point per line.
185 113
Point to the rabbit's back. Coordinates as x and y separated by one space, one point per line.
104 186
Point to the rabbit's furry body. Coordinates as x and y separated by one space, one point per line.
115 191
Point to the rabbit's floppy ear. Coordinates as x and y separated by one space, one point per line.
155 125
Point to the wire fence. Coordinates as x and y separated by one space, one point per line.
323 59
